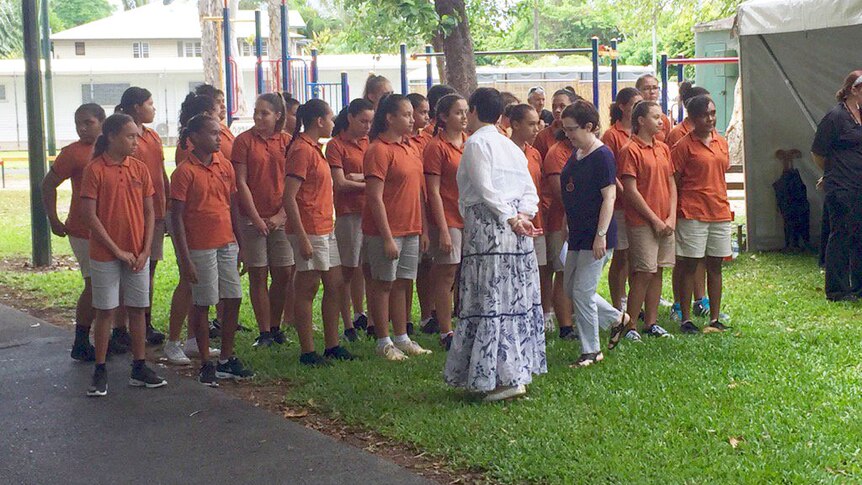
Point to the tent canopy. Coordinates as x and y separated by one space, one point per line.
777 16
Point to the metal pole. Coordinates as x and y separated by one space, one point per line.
285 45
49 80
258 47
40 235
315 92
345 90
429 71
614 71
595 55
404 88
228 71
679 78
663 69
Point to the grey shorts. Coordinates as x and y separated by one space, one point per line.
324 255
81 250
384 269
157 250
348 233
261 251
108 277
541 245
218 276
439 256
555 242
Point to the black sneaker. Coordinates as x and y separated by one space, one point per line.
263 341
83 350
338 353
99 384
154 337
446 342
369 332
207 375
410 329
312 359
656 330
568 333
233 369
351 335
143 376
118 345
278 336
215 328
689 328
587 360
717 325
361 322
431 327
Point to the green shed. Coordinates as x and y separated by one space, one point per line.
714 39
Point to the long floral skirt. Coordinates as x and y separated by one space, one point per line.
500 339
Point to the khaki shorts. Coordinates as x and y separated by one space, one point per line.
697 239
108 277
261 251
622 231
157 250
554 242
81 250
218 276
348 234
648 252
541 245
439 256
324 253
384 269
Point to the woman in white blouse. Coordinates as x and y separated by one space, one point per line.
500 342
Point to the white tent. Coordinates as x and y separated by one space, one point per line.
794 55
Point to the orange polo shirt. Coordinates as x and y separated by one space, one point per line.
547 138
225 146
679 132
265 168
227 138
534 164
666 127
651 166
616 138
150 152
700 170
400 168
70 164
305 161
347 155
442 158
421 140
119 191
553 164
206 191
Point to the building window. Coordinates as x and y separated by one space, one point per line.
247 48
105 94
2 92
192 49
80 49
140 50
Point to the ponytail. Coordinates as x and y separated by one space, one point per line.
442 111
111 127
387 106
625 96
641 110
195 104
133 96
849 83
305 116
194 125
342 121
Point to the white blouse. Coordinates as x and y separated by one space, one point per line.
493 171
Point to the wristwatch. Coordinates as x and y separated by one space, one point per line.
602 233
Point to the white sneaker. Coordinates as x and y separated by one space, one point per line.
411 348
391 352
174 353
503 393
191 349
550 326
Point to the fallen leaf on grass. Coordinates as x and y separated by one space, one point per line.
735 441
708 329
295 413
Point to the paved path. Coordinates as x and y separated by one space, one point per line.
51 433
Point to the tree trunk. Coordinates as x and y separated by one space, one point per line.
211 42
437 44
274 43
458 47
240 106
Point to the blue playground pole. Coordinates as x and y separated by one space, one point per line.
258 47
345 90
228 70
315 92
429 72
679 78
285 46
404 87
595 46
614 73
663 68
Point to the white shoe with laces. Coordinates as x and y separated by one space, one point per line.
391 352
174 353
191 349
411 348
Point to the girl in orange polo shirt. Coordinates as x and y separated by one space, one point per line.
650 191
700 160
227 137
70 164
647 85
504 126
550 135
308 202
420 138
117 199
615 138
376 88
258 157
392 223
138 103
436 92
440 159
686 93
291 105
344 153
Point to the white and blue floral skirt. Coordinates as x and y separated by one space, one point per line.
500 339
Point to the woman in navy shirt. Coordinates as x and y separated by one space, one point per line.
589 189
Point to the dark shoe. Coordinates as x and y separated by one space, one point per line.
361 322
207 375
83 351
143 376
215 328
99 384
568 333
446 342
350 334
851 298
312 359
264 341
278 336
718 326
369 332
689 328
154 337
431 327
117 344
233 369
338 353
656 330
586 360
410 329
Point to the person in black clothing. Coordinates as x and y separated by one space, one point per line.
837 148
536 99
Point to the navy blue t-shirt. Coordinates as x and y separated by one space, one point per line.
582 183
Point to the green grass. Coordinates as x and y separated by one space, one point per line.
784 382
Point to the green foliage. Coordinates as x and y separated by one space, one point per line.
71 13
11 34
